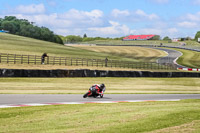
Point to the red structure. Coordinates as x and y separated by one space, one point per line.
138 37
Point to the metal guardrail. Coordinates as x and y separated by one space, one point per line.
70 61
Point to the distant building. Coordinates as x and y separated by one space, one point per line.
137 37
175 39
198 39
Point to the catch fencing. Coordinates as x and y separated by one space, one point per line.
71 61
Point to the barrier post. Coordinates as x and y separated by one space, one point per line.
7 58
15 59
65 61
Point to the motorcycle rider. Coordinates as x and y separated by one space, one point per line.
99 90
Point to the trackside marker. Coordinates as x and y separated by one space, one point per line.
189 69
64 103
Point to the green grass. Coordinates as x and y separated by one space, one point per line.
23 45
113 85
189 58
162 117
137 54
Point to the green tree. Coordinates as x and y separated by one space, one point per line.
84 36
58 39
87 39
10 18
25 28
197 36
9 26
1 20
73 39
156 37
166 38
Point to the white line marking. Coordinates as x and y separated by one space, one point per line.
63 103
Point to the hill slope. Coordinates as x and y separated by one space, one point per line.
14 44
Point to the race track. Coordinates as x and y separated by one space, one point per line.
172 56
8 99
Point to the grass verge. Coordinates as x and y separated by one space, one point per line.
189 58
113 85
153 117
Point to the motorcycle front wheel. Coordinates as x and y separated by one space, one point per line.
85 95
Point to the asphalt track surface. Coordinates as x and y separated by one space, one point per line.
6 99
172 56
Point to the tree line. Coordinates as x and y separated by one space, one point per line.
75 39
25 28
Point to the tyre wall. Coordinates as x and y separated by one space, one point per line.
91 73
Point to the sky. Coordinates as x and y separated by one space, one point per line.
109 18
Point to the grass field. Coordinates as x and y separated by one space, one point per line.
22 45
137 54
190 58
113 85
149 117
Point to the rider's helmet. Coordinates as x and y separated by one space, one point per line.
102 86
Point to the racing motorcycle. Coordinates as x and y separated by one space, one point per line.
93 92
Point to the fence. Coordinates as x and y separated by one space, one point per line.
69 61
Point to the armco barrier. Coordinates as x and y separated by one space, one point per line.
91 73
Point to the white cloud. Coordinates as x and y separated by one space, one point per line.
71 19
191 17
187 24
84 18
76 14
160 1
30 9
149 31
196 2
172 30
71 22
189 20
132 16
117 12
51 20
141 13
115 29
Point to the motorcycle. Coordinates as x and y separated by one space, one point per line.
93 92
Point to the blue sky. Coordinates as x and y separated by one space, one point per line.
109 18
